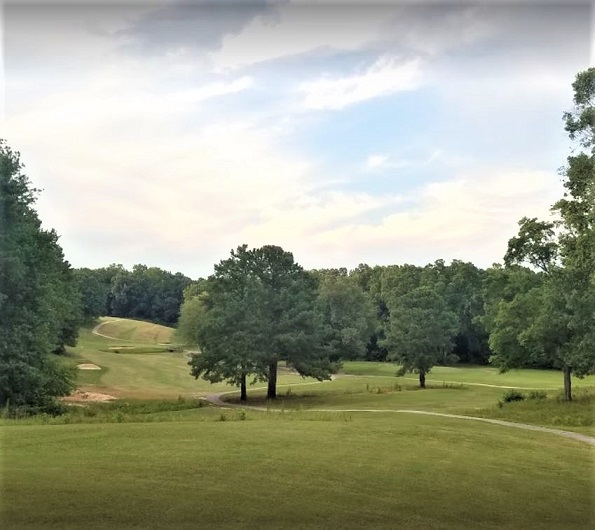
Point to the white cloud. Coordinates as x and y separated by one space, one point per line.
382 162
385 76
376 161
470 217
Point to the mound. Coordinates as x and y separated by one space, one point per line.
79 396
133 330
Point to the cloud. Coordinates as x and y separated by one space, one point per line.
190 25
470 217
385 162
386 76
376 161
292 30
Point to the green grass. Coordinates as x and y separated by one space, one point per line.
294 471
142 375
579 415
135 330
472 374
160 458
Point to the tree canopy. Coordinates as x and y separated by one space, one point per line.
39 304
420 332
555 320
259 308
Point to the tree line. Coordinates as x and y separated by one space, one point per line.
260 307
144 293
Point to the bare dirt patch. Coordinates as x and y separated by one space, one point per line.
88 366
79 396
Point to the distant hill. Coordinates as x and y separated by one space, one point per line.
133 330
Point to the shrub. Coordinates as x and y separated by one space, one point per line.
513 395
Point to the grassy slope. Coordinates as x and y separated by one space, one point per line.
154 375
135 330
290 471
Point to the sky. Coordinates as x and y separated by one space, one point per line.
168 133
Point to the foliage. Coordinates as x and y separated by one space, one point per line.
348 315
39 304
420 331
260 309
554 321
146 293
512 395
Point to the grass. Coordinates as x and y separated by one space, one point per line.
278 472
142 375
160 458
135 330
484 375
579 415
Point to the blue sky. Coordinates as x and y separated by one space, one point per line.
167 134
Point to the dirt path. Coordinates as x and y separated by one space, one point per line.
95 331
215 399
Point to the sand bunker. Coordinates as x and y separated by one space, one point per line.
88 366
79 396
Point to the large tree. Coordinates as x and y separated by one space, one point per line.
420 331
263 306
348 315
561 324
39 306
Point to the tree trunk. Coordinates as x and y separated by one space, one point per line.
243 392
272 384
422 379
567 384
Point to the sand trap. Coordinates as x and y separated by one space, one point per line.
79 396
88 366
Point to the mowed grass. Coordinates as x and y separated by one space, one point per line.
134 330
143 376
144 463
360 385
484 375
294 470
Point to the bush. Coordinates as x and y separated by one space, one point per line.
513 395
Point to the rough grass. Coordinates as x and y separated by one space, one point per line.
551 411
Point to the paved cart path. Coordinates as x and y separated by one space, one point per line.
216 399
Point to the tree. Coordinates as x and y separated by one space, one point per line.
261 310
227 330
40 308
93 294
348 314
370 280
420 331
561 326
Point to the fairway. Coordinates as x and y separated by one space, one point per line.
141 375
296 471
306 463
126 329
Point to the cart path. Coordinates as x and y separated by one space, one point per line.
95 331
215 399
